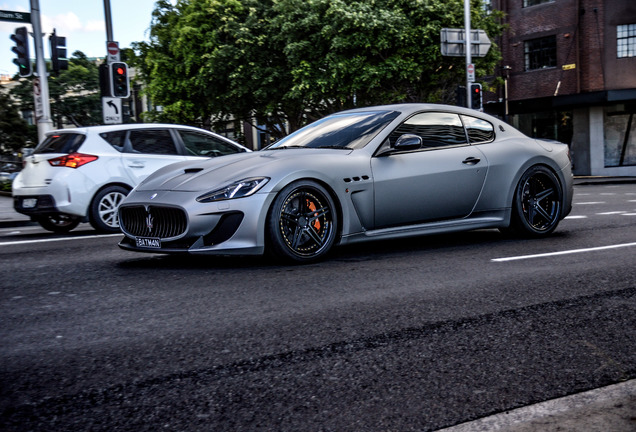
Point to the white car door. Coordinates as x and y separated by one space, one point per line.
148 150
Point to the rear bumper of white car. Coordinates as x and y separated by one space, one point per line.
54 198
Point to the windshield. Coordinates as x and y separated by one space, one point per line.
344 130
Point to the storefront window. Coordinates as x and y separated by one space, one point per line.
620 136
555 125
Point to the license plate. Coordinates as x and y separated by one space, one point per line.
148 242
29 203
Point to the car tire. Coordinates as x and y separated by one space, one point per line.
103 214
302 223
59 223
537 205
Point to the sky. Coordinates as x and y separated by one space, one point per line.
83 24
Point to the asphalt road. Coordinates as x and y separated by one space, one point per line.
391 336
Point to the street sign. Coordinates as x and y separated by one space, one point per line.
453 42
112 48
111 107
24 17
471 72
37 98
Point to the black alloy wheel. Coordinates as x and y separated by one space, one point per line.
538 202
302 223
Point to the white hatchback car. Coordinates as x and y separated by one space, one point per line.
79 175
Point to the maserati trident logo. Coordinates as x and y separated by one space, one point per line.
149 222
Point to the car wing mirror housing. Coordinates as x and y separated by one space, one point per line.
408 142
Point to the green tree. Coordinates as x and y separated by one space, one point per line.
74 93
285 62
15 133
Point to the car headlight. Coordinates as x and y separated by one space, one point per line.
239 189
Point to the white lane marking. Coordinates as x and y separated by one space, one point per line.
576 217
611 213
573 251
590 203
23 242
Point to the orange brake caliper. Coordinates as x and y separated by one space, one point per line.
312 207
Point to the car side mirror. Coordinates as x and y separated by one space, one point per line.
408 142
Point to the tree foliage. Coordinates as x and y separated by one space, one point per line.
284 62
15 133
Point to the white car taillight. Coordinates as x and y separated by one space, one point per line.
73 160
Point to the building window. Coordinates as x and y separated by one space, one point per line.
626 40
528 3
540 53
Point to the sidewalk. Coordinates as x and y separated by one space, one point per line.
8 216
607 409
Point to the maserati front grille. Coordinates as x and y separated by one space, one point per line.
156 221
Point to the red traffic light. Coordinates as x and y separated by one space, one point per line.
120 71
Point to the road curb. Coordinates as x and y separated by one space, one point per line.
611 408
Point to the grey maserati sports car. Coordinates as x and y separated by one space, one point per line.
368 173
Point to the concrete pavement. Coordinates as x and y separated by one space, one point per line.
606 409
8 216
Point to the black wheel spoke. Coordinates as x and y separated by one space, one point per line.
316 214
315 236
544 214
543 195
296 240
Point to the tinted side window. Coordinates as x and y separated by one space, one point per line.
115 139
198 144
62 143
435 129
479 131
152 141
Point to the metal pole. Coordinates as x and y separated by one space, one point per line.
109 21
44 123
468 49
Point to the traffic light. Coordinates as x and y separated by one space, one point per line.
21 48
460 96
59 61
119 82
475 96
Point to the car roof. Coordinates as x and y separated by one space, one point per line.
129 126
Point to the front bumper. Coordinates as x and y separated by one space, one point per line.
233 227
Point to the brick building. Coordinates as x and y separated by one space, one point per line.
571 75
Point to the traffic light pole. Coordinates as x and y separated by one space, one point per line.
468 49
44 122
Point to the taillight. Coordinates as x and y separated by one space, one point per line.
73 160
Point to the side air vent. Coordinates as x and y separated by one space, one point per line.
355 179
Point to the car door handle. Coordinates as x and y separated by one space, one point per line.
136 165
471 161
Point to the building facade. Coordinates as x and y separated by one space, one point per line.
570 73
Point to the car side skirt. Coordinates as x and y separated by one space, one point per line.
492 219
